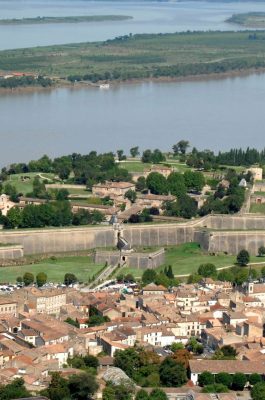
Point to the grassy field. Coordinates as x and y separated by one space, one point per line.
135 166
65 20
257 208
249 20
147 55
186 259
82 266
25 186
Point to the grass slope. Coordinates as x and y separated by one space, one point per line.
82 266
185 259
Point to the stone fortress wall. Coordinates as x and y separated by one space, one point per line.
10 252
215 233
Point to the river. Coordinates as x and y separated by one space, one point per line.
148 17
215 114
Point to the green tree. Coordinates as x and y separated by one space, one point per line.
254 378
158 394
38 188
206 378
109 393
194 278
149 276
187 206
128 360
82 386
14 218
41 279
70 279
224 378
134 151
141 395
28 278
207 270
156 183
176 184
14 390
141 183
215 388
11 191
130 195
229 352
258 391
176 346
121 156
261 251
239 381
62 194
58 388
243 258
225 276
172 373
181 147
194 180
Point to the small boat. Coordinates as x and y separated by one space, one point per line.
104 86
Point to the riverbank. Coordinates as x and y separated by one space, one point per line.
115 84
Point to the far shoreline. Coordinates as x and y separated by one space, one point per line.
114 84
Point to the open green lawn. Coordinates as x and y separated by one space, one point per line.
134 166
82 266
186 259
257 208
26 185
143 56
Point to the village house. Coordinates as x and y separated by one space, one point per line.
230 366
8 307
112 189
153 289
153 200
42 300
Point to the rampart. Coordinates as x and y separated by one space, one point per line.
11 251
215 233
131 259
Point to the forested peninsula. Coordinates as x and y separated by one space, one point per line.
249 20
141 56
63 20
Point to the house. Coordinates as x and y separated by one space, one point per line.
256 173
8 307
42 300
112 189
157 336
153 200
152 289
230 366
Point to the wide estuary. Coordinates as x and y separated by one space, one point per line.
214 114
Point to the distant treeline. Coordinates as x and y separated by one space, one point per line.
206 159
24 81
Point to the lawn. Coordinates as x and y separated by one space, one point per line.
134 166
27 185
82 266
185 259
257 208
